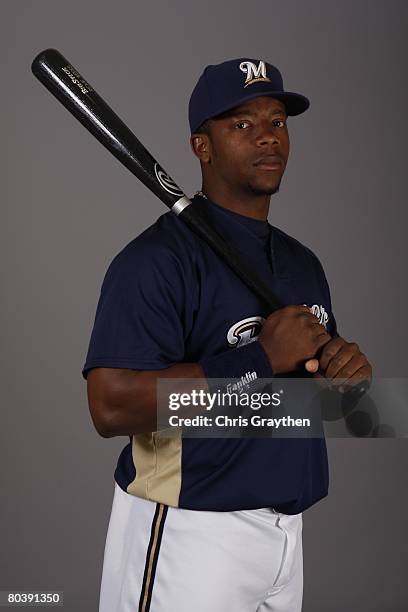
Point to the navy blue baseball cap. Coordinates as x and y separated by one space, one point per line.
224 86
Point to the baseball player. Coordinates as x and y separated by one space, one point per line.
212 525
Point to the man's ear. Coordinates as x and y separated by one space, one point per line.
200 144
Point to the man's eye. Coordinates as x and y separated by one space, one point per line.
283 123
241 125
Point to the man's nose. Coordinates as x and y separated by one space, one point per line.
267 133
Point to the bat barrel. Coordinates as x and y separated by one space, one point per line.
75 93
81 100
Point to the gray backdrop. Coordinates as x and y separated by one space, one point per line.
69 207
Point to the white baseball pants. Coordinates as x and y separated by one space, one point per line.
164 559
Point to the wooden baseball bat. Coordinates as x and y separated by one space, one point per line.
74 92
65 82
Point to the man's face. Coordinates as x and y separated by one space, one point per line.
249 146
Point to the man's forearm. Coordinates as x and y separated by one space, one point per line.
124 402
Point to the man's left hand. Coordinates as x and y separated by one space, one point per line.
342 362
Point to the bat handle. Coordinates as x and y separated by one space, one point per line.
196 219
180 205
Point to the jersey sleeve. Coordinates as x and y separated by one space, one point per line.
141 316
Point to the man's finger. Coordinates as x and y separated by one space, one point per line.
338 364
351 367
312 365
321 340
362 374
330 351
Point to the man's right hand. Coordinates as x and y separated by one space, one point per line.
290 337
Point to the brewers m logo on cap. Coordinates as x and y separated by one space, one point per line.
254 74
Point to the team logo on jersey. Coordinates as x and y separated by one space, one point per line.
247 330
320 313
166 182
244 331
254 74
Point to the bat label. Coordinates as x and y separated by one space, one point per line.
77 79
166 182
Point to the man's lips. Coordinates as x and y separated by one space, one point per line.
269 162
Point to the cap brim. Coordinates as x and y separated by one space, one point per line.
295 103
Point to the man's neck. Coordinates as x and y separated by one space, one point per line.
253 206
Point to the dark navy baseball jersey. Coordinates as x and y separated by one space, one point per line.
168 298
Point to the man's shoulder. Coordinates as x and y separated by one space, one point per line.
166 240
297 248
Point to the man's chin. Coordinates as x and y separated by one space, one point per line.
266 190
